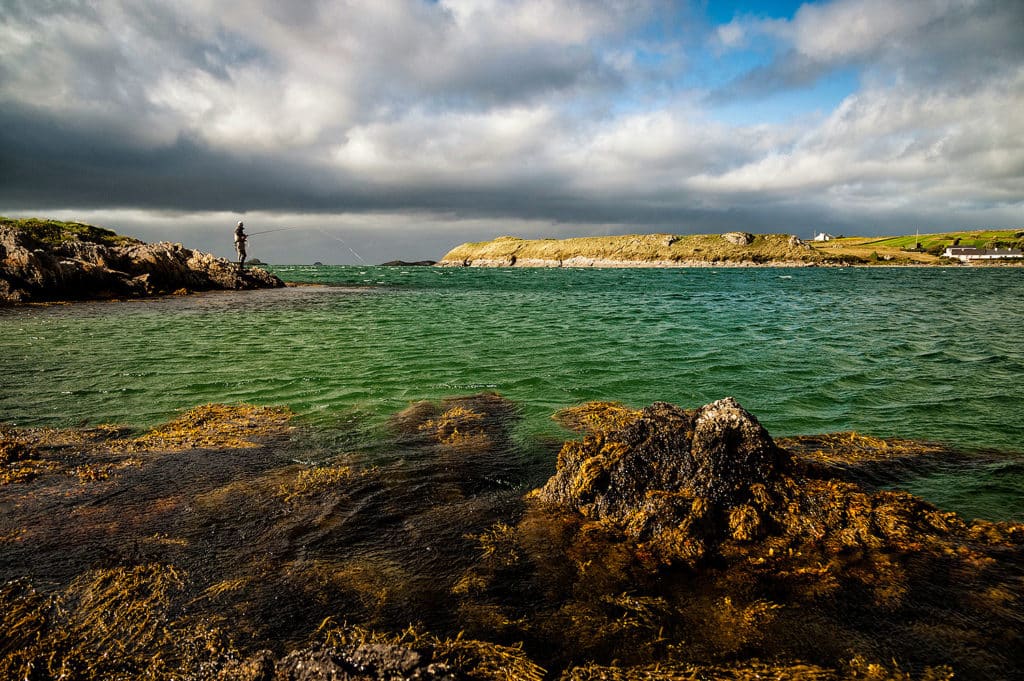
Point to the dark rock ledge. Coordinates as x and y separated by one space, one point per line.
51 261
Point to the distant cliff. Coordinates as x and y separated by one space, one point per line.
45 260
642 250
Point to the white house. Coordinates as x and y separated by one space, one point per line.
823 236
968 253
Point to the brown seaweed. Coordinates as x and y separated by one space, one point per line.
669 544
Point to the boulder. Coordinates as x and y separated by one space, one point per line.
671 468
714 452
739 238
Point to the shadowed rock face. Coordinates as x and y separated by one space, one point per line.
31 270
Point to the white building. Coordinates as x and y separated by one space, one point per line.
823 236
968 253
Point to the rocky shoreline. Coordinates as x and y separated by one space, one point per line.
46 261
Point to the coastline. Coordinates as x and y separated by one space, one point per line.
581 262
52 261
731 249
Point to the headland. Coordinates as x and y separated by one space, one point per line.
48 260
731 249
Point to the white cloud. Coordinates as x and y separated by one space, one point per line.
921 146
851 29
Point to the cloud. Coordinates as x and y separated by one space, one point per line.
499 116
928 42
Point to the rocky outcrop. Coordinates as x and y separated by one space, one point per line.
690 537
672 469
739 238
691 485
33 269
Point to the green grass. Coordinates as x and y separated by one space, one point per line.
55 232
984 238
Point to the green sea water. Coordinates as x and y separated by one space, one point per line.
924 353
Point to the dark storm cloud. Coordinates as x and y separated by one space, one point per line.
547 115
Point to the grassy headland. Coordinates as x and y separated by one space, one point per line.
732 248
56 232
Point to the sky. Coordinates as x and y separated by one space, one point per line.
371 130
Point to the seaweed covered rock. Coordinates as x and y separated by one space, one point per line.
595 416
690 538
45 261
139 622
670 468
477 422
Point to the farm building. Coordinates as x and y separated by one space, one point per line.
967 254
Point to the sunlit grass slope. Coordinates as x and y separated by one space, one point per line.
668 250
55 232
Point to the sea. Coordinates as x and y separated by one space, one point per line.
934 354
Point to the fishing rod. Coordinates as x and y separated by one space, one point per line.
319 229
268 231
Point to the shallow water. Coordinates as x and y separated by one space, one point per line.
930 354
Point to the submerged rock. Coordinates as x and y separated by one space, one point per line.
472 421
76 262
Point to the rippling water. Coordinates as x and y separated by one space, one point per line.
922 353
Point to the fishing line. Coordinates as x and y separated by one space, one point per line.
319 229
342 241
268 231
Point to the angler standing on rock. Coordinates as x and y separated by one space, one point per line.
240 239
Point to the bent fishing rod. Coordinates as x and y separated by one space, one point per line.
319 229
268 231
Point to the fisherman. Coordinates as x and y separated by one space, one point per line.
240 238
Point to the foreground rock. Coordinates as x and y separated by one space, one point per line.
48 261
690 538
669 544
